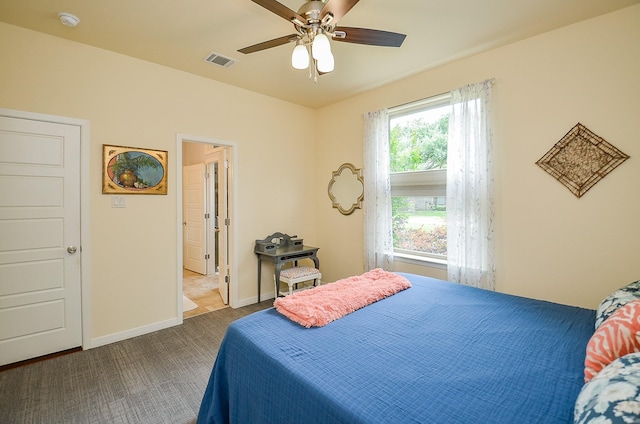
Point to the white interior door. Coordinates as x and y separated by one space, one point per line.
194 235
218 167
40 283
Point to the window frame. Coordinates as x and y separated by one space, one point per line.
419 183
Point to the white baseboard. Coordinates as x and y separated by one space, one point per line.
254 299
139 331
134 332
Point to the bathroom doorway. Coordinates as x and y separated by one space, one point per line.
206 236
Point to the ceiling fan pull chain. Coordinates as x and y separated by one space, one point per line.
312 61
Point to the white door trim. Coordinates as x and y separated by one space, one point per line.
84 206
233 214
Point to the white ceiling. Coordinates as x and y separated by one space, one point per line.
180 34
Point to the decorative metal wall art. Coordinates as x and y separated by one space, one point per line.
346 188
581 159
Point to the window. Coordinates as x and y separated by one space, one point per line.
418 164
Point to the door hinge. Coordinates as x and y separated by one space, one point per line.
227 221
227 279
206 216
207 256
226 164
206 175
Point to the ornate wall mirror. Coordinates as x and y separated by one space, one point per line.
346 188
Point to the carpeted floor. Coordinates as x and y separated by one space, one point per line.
155 378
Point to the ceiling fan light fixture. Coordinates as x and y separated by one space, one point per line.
326 64
300 56
315 24
320 48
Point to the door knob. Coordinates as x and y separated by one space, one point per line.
72 249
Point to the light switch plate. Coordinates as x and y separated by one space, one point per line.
118 202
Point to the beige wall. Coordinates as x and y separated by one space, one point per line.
134 103
550 245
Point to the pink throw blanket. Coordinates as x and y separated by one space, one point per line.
319 306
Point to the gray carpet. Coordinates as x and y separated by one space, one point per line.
156 378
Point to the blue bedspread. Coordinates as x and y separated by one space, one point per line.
436 353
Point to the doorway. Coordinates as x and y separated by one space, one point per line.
204 189
206 235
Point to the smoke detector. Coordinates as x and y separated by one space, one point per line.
67 19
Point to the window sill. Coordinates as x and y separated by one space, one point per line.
420 260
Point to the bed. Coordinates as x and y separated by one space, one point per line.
437 353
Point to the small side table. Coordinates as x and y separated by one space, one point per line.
283 255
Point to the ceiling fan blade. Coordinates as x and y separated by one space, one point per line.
280 10
372 37
268 44
338 8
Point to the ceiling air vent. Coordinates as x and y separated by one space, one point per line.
218 59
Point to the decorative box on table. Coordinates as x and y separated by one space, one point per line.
278 240
265 246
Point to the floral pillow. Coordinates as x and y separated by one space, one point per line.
612 396
616 300
619 335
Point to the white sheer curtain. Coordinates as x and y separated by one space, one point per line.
470 210
378 237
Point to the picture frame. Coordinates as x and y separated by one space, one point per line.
133 170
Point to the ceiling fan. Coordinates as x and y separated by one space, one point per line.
315 22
